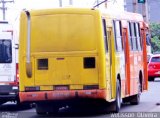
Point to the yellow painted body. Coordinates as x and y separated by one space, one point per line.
63 34
65 37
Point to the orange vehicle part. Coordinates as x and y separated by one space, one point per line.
61 95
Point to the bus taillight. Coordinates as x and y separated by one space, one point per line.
17 73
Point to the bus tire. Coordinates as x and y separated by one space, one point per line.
46 108
150 78
135 100
2 102
40 109
117 102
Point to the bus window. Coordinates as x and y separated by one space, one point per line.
135 37
142 37
118 35
148 40
5 51
133 31
129 36
138 36
105 35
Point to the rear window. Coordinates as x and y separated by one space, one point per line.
148 57
155 59
63 32
5 51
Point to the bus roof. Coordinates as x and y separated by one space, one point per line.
107 13
122 15
60 10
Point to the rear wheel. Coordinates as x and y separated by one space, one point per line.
46 108
151 78
40 109
135 100
117 103
2 102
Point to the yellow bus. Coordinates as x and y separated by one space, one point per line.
75 54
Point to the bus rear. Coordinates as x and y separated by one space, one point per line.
60 55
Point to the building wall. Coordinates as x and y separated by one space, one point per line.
153 9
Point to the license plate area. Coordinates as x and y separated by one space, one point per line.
61 87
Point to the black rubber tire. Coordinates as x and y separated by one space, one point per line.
2 102
117 103
46 108
40 109
150 78
135 100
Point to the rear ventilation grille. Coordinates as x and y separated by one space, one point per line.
88 87
89 62
42 64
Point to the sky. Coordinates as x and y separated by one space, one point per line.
14 9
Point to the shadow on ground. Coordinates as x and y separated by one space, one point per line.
74 112
14 107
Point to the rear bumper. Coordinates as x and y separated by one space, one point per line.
154 73
61 95
8 92
9 97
